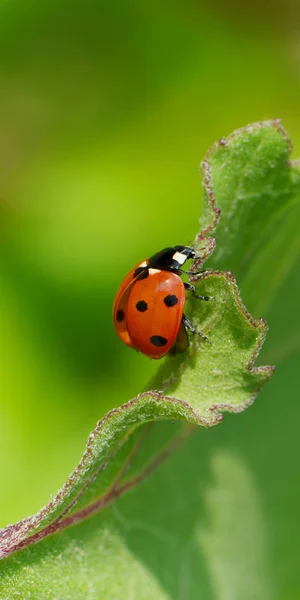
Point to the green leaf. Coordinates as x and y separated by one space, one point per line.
258 191
147 544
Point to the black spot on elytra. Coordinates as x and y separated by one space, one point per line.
158 340
141 273
170 300
141 306
120 315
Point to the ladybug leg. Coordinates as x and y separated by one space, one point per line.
191 288
189 325
202 272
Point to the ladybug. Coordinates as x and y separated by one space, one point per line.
148 308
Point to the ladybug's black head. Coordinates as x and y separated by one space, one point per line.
171 259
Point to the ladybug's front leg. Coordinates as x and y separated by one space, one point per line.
189 325
191 288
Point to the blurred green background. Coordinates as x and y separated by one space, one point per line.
106 109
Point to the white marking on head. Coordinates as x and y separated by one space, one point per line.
179 257
143 264
153 271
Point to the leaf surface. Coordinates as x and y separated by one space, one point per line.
147 543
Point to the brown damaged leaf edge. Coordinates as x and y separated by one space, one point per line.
219 407
33 529
206 245
275 123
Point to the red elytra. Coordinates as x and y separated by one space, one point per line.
148 311
154 331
